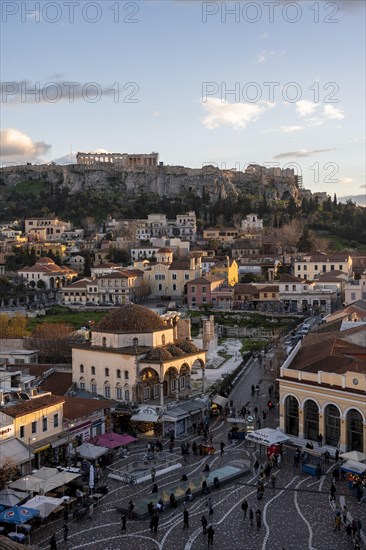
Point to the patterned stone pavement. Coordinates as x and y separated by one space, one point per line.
296 515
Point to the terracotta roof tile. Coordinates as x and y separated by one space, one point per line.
32 405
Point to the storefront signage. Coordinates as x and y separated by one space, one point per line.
6 432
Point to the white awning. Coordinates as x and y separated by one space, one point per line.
145 417
357 456
13 451
267 436
219 400
353 466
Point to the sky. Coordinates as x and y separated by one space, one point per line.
225 83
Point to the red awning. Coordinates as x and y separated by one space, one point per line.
112 440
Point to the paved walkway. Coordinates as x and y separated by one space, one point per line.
296 515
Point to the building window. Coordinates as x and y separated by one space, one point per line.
82 383
93 386
147 393
305 267
299 268
182 382
156 390
127 375
332 267
174 287
81 368
204 299
186 276
293 288
93 370
119 393
106 372
353 296
127 395
104 341
316 267
174 276
204 290
118 373
22 432
172 384
55 420
44 423
286 288
34 427
163 340
107 391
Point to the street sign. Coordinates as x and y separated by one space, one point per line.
250 419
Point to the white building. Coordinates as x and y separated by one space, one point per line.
252 224
356 290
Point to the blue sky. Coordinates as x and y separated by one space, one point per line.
159 54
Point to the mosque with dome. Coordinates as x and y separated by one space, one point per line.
136 356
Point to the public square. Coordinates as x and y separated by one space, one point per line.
296 514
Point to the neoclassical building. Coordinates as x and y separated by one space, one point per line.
134 355
323 387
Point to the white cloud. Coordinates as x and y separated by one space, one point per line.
235 115
302 153
304 107
346 181
315 121
284 129
265 55
333 112
69 158
17 146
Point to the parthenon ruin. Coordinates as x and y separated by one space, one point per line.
119 159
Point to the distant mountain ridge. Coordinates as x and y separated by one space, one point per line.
360 200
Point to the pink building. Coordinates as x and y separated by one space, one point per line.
200 291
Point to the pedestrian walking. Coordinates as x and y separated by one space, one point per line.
258 517
344 514
123 520
326 457
66 531
256 467
349 532
210 536
153 474
222 447
333 491
320 440
336 456
66 515
185 519
210 507
244 507
251 517
204 524
155 522
273 481
337 522
53 544
131 507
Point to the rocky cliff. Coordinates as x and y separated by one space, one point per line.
165 181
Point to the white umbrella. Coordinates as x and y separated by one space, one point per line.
45 505
354 455
91 478
354 467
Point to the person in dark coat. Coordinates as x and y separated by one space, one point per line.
185 519
123 520
204 524
53 544
210 536
251 517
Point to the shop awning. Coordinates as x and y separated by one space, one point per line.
353 467
112 440
220 400
13 451
146 414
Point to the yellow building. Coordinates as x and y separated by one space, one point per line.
36 423
310 266
228 269
323 388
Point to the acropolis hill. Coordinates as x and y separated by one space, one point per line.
162 180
